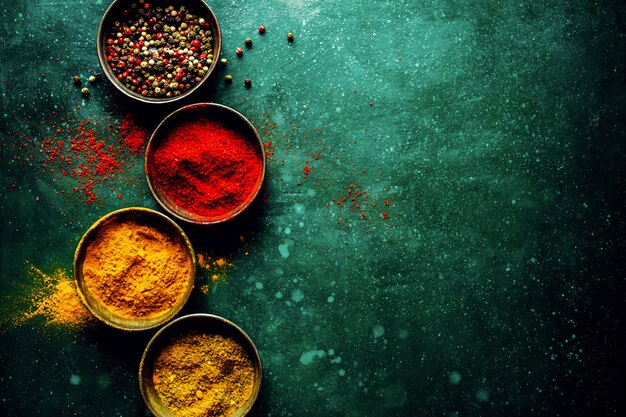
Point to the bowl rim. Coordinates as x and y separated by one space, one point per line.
256 358
153 100
211 107
81 250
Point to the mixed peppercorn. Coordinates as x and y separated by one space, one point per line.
159 51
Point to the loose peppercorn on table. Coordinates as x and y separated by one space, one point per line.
439 230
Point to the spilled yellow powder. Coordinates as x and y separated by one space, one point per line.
55 299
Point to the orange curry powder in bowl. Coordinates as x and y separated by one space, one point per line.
134 269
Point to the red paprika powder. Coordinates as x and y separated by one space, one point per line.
207 167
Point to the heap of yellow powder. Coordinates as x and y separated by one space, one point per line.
201 374
54 298
136 270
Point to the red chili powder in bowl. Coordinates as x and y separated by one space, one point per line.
205 164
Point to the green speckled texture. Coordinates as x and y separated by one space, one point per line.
479 270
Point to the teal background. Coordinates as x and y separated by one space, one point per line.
495 130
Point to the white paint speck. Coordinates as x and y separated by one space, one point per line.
307 357
75 379
283 249
378 331
454 377
299 208
482 395
297 296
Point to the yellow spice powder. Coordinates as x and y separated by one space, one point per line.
136 270
203 375
54 297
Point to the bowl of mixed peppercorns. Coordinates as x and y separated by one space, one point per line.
158 51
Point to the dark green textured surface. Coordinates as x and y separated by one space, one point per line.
495 130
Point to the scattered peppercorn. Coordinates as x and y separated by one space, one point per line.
76 80
228 79
239 52
223 61
290 37
85 91
262 30
247 82
248 42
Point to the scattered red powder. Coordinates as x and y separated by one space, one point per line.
134 136
206 167
306 170
360 203
78 158
77 152
355 198
269 150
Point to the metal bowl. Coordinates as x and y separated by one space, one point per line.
115 10
100 310
206 323
213 111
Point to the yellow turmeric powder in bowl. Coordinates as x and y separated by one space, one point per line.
200 365
134 269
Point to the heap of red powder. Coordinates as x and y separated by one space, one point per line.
207 168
